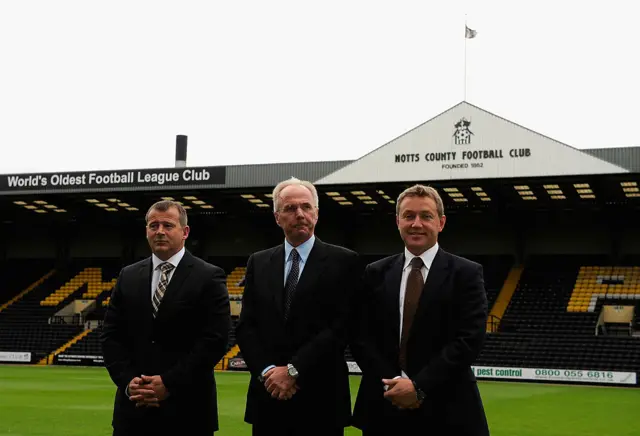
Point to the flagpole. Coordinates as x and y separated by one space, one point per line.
465 59
468 34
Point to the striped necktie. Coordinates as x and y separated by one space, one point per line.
162 286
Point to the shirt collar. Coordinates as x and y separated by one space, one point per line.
303 249
173 260
427 256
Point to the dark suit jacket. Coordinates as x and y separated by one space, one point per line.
313 339
445 339
182 344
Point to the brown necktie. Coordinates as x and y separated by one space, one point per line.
415 283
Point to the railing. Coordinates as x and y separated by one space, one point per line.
493 322
93 324
75 319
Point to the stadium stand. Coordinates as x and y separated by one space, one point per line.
547 350
19 276
495 269
234 349
546 311
544 328
594 282
25 325
30 322
234 281
550 321
541 299
87 346
91 277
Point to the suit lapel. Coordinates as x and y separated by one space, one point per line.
435 278
144 289
393 278
276 279
313 270
177 280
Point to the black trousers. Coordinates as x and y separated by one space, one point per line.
408 423
279 430
395 430
388 432
417 428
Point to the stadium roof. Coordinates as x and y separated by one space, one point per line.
626 157
464 143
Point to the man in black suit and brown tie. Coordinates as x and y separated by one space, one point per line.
421 323
293 325
165 328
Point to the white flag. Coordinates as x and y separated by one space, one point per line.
469 33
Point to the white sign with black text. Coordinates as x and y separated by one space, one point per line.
467 142
15 356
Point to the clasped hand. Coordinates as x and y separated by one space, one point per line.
147 391
280 384
401 393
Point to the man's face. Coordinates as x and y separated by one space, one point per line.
297 214
165 234
419 223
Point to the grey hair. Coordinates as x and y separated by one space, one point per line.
290 182
164 206
421 191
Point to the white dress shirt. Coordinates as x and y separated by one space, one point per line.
427 260
155 276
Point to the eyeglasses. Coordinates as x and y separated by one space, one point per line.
293 208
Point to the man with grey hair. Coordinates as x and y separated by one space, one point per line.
420 326
293 326
165 329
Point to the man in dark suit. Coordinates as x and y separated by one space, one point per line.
165 328
292 329
420 324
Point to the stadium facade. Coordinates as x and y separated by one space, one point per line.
462 143
554 226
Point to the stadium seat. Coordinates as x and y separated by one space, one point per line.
29 324
597 282
91 277
234 280
551 320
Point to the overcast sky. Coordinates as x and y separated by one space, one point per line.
108 85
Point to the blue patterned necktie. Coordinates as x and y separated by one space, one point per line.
158 295
292 281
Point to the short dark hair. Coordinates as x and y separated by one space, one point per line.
423 192
164 206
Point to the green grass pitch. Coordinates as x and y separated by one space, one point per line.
70 401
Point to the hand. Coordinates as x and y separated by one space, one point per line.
157 386
401 393
142 394
279 383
